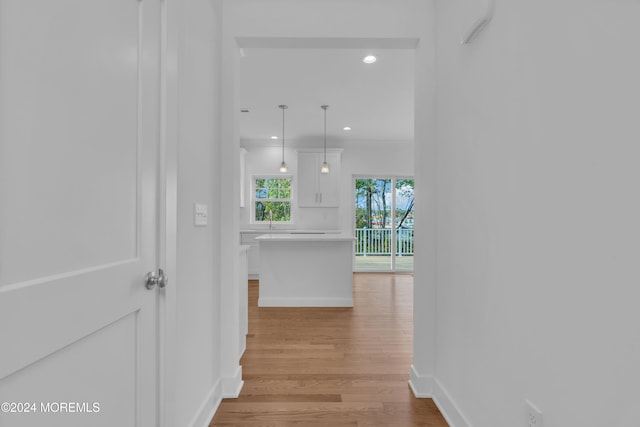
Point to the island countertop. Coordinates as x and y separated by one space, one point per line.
305 237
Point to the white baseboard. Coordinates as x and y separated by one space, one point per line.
231 386
429 387
208 408
224 388
448 407
305 302
243 343
421 386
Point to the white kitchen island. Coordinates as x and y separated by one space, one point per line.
306 270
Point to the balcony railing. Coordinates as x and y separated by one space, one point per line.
377 241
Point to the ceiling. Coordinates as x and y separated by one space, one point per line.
375 100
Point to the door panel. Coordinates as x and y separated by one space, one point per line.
307 180
79 120
69 116
59 378
329 183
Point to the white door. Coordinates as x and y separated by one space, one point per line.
79 119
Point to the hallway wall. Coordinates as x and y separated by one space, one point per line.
538 230
198 253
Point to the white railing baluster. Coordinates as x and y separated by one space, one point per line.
377 241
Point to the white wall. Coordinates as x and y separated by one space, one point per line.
379 159
198 263
538 208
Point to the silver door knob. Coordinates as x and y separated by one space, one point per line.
152 279
162 279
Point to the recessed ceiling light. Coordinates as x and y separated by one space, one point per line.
346 128
369 59
274 137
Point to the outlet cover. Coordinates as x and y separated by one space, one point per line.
200 215
533 415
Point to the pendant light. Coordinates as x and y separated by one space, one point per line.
325 165
283 165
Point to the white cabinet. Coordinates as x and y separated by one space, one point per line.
315 189
243 297
253 253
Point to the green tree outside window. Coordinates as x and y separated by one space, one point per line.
272 195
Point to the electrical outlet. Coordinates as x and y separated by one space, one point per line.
533 416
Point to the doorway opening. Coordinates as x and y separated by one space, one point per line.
383 224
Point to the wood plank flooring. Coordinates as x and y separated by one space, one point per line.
334 367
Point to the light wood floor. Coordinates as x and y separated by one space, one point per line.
332 366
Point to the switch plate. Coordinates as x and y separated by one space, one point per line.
533 416
200 215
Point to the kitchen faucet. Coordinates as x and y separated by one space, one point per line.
270 219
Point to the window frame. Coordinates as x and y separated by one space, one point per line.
255 199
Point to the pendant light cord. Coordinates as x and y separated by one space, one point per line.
325 134
283 107
324 107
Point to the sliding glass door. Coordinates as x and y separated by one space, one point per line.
384 224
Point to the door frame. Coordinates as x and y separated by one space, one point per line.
171 16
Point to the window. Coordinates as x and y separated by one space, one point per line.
272 199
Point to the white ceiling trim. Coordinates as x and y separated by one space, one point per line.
311 144
326 43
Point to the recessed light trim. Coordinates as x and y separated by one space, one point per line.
274 137
346 128
369 59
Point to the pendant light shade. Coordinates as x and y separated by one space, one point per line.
325 165
283 165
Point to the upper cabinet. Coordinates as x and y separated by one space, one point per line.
315 189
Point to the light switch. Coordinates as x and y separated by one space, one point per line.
200 215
